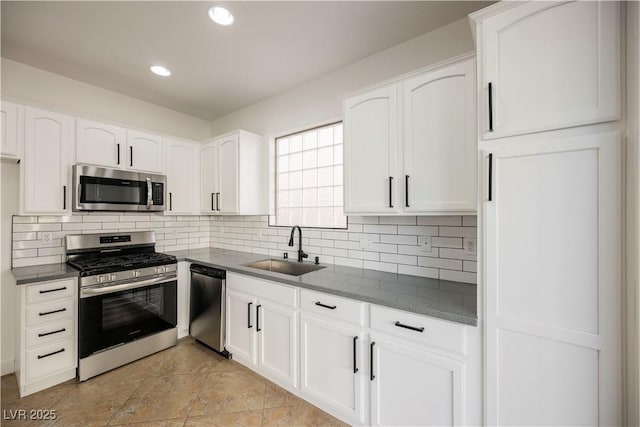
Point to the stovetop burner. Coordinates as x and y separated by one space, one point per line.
112 263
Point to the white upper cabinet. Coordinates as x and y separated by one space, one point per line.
145 152
183 177
100 144
49 148
228 174
418 159
235 175
371 151
11 128
209 177
439 140
550 65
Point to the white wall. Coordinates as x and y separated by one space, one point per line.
10 174
34 86
318 100
633 215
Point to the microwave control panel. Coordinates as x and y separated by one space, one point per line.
157 193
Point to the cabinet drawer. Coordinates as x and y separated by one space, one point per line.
337 308
262 289
50 359
43 334
51 290
423 330
50 312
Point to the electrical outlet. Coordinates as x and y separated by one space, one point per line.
47 237
425 243
469 245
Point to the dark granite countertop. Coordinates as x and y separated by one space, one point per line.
42 273
453 301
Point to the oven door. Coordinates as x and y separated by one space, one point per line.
101 189
114 315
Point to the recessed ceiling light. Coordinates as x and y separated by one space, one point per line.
160 70
220 15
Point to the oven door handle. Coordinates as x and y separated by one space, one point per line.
91 292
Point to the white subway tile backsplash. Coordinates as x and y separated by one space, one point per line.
447 242
398 220
399 259
349 262
25 236
51 251
417 250
458 276
418 230
471 266
24 219
41 260
381 229
28 244
363 220
458 232
453 221
448 264
381 266
456 254
73 226
470 221
100 218
36 227
24 253
399 239
371 256
418 271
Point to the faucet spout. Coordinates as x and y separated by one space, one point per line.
301 253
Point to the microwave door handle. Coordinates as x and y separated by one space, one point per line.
149 198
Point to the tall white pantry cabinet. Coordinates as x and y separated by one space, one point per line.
550 211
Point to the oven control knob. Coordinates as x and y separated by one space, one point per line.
112 277
159 270
136 273
101 279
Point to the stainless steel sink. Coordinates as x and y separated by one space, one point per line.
284 267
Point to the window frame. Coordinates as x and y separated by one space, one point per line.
273 216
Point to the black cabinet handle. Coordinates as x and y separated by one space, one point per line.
490 107
217 201
249 325
50 354
118 149
64 197
490 174
170 201
258 318
52 312
390 191
44 334
355 367
372 377
130 156
46 291
406 191
413 328
330 307
212 202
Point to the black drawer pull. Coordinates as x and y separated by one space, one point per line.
118 162
355 367
413 328
217 201
330 307
170 201
212 202
372 377
249 325
258 318
390 191
64 197
53 290
130 156
51 354
44 334
490 175
406 191
52 312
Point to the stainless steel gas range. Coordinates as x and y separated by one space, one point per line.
128 299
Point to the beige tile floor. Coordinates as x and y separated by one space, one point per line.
187 385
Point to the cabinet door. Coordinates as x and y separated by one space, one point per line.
180 171
49 152
439 141
371 152
144 152
551 65
100 144
553 284
410 387
240 339
11 119
328 373
209 171
228 159
277 343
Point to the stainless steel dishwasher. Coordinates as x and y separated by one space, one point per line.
207 307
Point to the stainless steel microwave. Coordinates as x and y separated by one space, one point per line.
101 189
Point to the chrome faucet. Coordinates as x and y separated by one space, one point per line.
301 253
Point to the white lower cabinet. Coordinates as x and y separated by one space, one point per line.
414 387
184 292
261 326
46 335
332 367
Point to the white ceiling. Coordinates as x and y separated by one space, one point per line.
272 46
